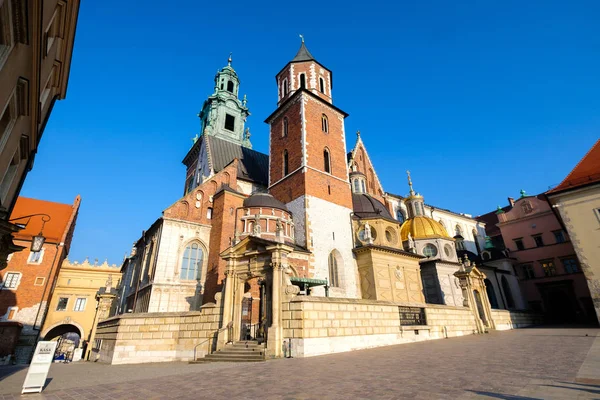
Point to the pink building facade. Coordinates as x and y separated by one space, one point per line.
550 275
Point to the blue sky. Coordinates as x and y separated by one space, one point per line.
479 99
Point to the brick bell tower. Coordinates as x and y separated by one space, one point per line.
308 169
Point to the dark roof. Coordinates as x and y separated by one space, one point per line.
365 206
586 172
303 55
264 200
490 220
253 165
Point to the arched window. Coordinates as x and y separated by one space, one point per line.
326 161
285 87
510 303
324 123
191 263
356 184
285 163
302 81
322 85
364 186
230 86
457 230
400 215
285 127
489 288
334 279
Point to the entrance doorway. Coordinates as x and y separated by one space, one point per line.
69 340
254 311
560 303
480 309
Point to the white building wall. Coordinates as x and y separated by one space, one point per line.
330 228
169 292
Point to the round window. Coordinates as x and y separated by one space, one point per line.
430 250
362 234
390 236
448 250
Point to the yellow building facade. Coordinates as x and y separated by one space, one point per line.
73 306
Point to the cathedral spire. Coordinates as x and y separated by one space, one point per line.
303 53
412 192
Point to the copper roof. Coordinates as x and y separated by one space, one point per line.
54 230
586 172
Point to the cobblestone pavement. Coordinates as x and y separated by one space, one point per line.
523 364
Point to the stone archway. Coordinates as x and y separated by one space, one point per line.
61 328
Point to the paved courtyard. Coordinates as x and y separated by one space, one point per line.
523 364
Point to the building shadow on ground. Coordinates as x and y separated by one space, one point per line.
8 370
502 396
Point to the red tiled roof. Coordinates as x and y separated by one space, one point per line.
54 230
585 172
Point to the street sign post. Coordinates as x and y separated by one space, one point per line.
39 367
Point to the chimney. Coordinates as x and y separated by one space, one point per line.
511 201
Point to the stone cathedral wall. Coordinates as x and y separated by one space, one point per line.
324 325
157 337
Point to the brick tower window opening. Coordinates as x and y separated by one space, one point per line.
229 122
324 123
302 81
326 161
284 132
321 85
285 87
286 169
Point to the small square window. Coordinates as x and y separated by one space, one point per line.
519 244
39 281
527 271
539 242
549 268
229 122
62 303
570 264
559 236
80 304
209 212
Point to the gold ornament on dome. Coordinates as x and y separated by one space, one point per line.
421 227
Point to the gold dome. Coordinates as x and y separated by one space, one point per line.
421 227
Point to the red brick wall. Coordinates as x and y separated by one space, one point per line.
221 234
185 208
305 68
364 165
315 183
27 293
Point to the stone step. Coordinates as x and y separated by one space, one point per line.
219 357
241 351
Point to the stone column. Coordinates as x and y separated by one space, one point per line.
275 333
223 335
103 307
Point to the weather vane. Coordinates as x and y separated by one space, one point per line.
302 37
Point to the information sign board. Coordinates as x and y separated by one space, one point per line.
39 367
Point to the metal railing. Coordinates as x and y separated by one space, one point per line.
214 337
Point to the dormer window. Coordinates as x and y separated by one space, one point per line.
230 86
302 81
324 123
322 85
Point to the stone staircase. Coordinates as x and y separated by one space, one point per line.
243 351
